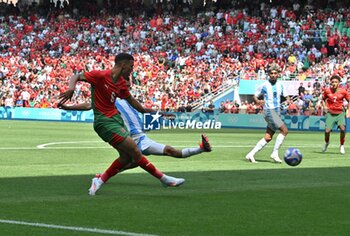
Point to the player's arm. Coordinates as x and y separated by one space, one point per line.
258 95
79 107
67 95
324 101
256 99
135 104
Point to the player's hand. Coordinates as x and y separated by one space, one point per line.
261 102
67 95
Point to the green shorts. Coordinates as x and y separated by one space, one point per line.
112 130
332 119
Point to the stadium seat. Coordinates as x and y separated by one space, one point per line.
341 26
344 31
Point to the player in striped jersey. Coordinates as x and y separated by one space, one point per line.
271 92
148 146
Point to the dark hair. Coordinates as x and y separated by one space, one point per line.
274 67
123 56
336 77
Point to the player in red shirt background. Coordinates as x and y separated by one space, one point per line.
334 96
106 86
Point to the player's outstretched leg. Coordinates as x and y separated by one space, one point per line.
204 146
166 180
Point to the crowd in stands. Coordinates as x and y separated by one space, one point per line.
180 56
307 102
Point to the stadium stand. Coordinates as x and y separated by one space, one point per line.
185 53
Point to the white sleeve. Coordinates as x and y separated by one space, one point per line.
260 90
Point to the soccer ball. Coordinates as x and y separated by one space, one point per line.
292 156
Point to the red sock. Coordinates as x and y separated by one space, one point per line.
149 167
114 168
342 141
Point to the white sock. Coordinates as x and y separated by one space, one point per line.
163 178
99 180
279 141
167 179
260 145
187 152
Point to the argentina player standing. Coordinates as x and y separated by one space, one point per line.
271 92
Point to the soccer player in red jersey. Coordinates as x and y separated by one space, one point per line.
334 97
106 86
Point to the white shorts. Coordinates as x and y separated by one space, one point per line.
273 119
149 147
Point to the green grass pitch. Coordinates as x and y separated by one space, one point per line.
223 194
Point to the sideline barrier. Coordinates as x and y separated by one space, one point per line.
305 123
48 114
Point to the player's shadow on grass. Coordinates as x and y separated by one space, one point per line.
260 160
267 161
207 204
329 153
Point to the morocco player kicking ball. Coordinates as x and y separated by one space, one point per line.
106 86
334 97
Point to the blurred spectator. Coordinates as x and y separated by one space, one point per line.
211 107
309 88
293 109
222 107
188 108
181 108
301 90
316 85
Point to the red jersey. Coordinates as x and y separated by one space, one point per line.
334 100
104 91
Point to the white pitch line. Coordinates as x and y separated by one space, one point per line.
72 228
49 144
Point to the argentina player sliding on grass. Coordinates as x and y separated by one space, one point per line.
271 91
146 145
106 86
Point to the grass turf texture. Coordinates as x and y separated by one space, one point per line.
223 194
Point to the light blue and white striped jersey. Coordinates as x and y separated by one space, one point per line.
130 116
272 94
